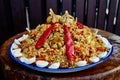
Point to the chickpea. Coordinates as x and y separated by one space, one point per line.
54 46
59 44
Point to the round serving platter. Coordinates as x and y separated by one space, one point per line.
59 70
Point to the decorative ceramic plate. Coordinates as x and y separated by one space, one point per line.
59 70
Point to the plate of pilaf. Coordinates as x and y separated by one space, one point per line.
61 45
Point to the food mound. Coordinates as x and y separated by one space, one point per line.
61 42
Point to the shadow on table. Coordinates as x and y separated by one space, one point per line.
1 74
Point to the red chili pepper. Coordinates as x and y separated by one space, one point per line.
80 25
44 36
69 44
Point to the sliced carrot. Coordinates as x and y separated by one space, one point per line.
100 48
40 58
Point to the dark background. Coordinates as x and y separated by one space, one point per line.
89 12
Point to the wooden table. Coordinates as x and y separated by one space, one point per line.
108 70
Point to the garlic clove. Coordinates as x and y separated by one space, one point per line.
16 52
41 63
105 41
94 59
82 63
54 65
102 55
15 46
28 60
23 37
17 41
